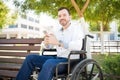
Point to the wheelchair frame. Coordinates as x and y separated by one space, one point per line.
79 71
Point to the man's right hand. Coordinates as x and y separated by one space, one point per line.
46 38
51 39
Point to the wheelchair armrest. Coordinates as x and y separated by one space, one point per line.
58 65
49 50
81 54
76 53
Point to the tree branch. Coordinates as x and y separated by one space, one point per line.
80 12
77 8
85 6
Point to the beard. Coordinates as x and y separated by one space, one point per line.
63 22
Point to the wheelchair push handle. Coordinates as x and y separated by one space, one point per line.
90 36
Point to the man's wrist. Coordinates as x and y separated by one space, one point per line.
60 44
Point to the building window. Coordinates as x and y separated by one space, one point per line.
23 26
37 21
13 26
30 19
31 27
112 37
36 29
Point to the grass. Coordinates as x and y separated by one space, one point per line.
100 58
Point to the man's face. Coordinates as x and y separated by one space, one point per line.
63 17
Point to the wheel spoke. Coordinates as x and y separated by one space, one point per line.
91 72
95 77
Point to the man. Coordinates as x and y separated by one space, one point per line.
67 38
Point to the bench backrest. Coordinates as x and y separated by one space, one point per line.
17 48
14 51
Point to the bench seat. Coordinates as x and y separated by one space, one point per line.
8 73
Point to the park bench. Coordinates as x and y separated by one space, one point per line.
13 53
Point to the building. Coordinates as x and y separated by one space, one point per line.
24 27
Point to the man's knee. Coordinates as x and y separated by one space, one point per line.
30 57
50 63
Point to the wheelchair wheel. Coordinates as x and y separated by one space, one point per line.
81 71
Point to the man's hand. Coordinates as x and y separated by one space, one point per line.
50 39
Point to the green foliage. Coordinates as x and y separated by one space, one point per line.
6 17
118 35
102 11
11 18
3 13
94 27
111 65
98 10
119 28
118 23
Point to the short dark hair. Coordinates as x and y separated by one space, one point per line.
61 8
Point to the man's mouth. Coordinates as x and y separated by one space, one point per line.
62 20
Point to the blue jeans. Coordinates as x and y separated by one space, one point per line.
47 65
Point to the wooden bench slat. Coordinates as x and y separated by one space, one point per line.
33 48
17 54
8 73
21 41
11 60
9 66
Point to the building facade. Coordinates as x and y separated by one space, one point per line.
24 27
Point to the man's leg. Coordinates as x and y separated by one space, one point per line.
48 69
29 64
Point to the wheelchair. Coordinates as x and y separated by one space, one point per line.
77 69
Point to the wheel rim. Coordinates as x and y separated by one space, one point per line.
82 73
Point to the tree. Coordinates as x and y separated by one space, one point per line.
3 13
118 28
47 6
6 17
80 12
98 11
103 12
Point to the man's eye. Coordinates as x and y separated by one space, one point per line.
59 16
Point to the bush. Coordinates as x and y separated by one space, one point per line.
111 65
